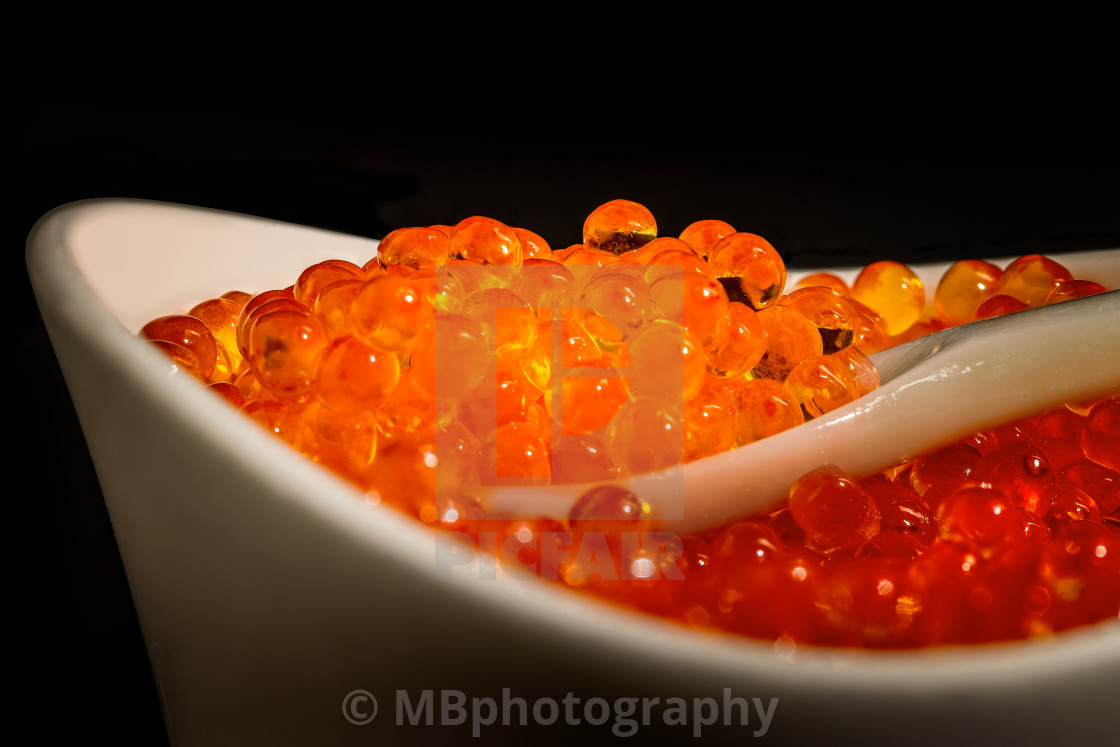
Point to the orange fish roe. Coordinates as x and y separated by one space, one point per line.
893 291
473 354
619 226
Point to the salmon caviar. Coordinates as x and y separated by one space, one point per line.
703 235
824 280
695 300
472 354
791 339
964 286
485 240
1072 289
315 278
220 317
750 268
998 305
619 226
1032 278
893 291
416 247
833 314
189 333
741 347
533 245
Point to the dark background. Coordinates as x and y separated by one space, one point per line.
823 189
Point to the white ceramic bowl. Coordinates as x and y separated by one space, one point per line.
268 590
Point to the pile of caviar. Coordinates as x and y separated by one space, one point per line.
473 355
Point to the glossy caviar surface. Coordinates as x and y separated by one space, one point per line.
475 354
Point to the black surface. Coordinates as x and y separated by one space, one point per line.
851 199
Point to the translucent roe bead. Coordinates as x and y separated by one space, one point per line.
832 509
696 301
347 443
964 286
453 357
1071 504
238 297
316 277
220 317
181 358
946 468
1081 567
826 280
647 434
1073 289
416 247
600 520
588 402
584 256
408 411
739 549
509 319
662 244
619 226
189 333
978 517
998 305
750 269
229 393
248 312
893 291
1021 470
791 338
871 333
901 508
283 350
1100 436
583 458
533 245
390 312
833 314
765 407
861 368
667 360
1031 278
545 283
661 263
353 376
621 298
486 241
823 384
332 306
514 451
710 420
703 235
741 347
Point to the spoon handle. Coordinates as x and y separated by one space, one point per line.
934 390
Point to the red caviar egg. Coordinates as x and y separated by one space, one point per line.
893 291
189 333
750 269
486 241
1032 278
619 226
